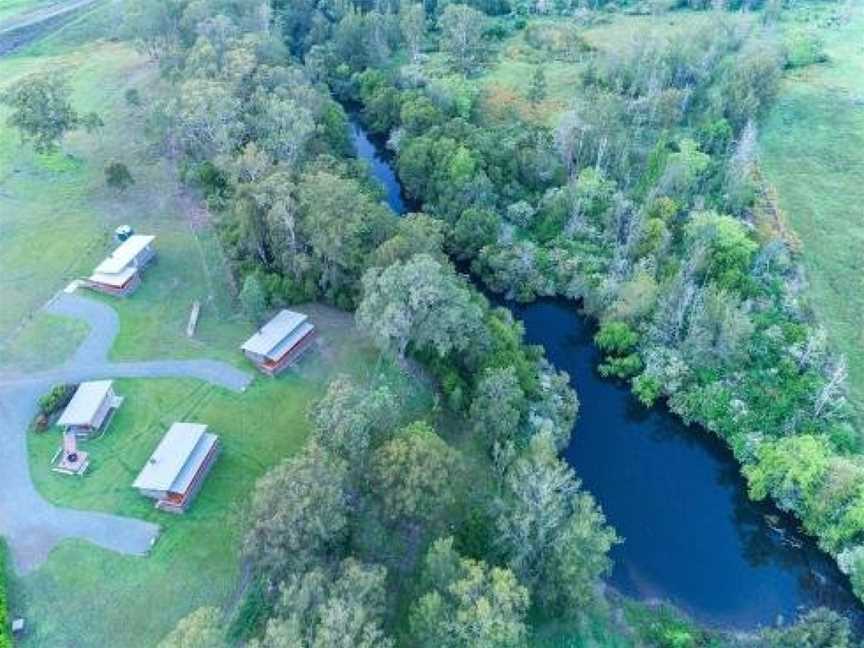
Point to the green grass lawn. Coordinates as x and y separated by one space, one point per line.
811 152
57 215
106 599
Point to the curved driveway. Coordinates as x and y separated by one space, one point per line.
31 525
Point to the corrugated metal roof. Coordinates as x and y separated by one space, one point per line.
274 332
123 255
199 454
85 403
171 455
288 343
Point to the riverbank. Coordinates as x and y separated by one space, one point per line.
692 536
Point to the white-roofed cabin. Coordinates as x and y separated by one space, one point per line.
176 470
280 342
120 273
90 409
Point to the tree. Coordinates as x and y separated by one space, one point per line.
341 238
283 126
462 36
468 603
414 473
201 629
42 112
412 21
253 299
415 234
207 118
475 229
729 248
819 628
618 340
155 26
497 408
319 609
789 469
419 302
117 176
349 420
554 535
537 86
299 513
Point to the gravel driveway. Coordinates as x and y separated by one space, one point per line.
31 525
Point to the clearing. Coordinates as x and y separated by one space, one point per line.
811 153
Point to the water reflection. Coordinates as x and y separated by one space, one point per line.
675 493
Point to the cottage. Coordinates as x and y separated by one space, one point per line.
120 273
88 413
280 342
175 471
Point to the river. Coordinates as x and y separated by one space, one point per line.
674 493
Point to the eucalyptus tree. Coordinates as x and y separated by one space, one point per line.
419 303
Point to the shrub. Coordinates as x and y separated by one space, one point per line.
56 399
804 48
616 337
133 97
117 176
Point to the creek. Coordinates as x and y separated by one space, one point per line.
674 493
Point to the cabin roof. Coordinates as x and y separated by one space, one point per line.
275 333
86 402
121 257
173 464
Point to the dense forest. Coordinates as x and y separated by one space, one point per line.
643 200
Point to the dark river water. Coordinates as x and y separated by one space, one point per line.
674 493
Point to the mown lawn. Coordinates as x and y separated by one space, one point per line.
107 599
57 215
104 599
811 151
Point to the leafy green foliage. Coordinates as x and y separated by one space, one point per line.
42 112
497 408
727 246
537 88
789 469
468 603
413 473
320 608
253 299
117 176
819 628
200 629
56 399
350 420
421 303
618 340
462 30
299 513
554 535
